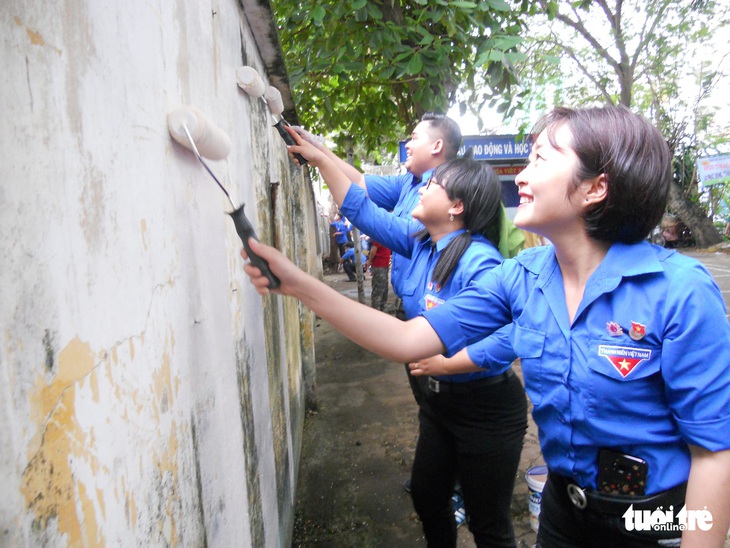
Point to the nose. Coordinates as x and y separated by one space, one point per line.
520 178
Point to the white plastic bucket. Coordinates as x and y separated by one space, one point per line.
536 478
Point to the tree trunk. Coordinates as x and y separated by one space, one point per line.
704 232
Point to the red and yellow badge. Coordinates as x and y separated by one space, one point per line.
637 331
624 359
432 301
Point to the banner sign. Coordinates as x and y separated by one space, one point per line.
712 170
490 147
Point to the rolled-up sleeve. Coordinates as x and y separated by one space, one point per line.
473 313
696 359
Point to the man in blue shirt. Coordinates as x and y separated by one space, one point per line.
348 261
342 229
435 140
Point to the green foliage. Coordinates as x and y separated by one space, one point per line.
641 54
369 69
631 52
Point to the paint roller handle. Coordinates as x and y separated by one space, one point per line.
246 231
289 140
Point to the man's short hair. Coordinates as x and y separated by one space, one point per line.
447 130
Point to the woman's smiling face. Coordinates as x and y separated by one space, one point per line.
548 201
433 205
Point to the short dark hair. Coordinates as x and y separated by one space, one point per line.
448 130
635 158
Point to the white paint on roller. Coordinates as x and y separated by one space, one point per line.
211 141
250 81
274 100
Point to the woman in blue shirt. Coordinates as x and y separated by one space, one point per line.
471 425
625 346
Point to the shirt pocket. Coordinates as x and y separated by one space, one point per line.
408 289
623 378
529 345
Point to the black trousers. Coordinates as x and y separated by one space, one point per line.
562 525
349 268
476 437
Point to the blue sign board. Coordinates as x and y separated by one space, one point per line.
490 147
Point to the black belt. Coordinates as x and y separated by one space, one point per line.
443 387
615 505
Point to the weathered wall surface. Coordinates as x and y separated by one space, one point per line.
148 396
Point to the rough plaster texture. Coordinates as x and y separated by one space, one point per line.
148 395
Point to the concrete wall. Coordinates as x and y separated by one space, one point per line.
148 396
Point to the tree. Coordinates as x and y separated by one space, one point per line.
366 70
637 54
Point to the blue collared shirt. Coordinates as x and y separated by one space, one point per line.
343 228
494 354
350 254
398 194
644 367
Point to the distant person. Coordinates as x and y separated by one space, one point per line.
348 261
365 243
624 345
379 264
342 230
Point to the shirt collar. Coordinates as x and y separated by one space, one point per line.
621 261
443 242
423 178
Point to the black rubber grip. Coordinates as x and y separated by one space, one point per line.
246 231
288 139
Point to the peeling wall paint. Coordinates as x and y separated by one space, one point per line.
148 395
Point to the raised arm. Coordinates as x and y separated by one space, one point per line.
302 136
376 331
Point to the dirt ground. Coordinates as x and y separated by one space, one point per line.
358 448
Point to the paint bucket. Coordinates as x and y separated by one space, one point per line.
536 478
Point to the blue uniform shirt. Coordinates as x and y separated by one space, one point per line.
398 194
644 367
494 354
343 228
350 254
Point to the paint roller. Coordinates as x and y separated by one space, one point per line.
251 82
192 130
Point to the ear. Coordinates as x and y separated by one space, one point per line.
457 208
596 189
438 146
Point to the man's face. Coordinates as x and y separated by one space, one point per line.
420 149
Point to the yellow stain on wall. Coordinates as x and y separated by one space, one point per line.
162 379
48 482
35 37
167 466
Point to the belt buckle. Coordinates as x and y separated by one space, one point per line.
577 496
433 385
